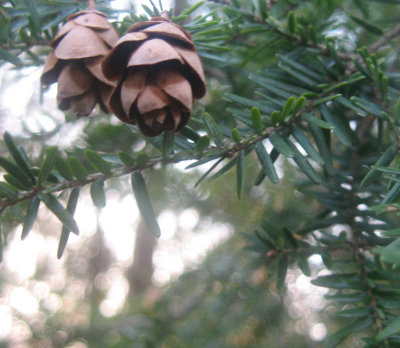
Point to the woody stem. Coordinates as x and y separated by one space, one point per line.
165 14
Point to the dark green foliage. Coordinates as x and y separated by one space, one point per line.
144 204
71 206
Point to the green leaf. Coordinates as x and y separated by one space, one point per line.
261 175
15 171
126 159
341 334
18 156
201 162
302 69
392 195
322 142
168 144
291 22
275 118
9 57
348 298
355 313
8 192
30 216
193 8
298 75
304 266
190 133
213 129
224 169
97 193
58 210
249 102
236 136
339 281
16 183
395 232
143 202
208 171
47 165
76 168
256 120
311 119
287 108
35 27
294 243
71 207
148 11
203 143
391 329
367 106
282 270
391 253
62 167
386 158
280 145
306 144
300 102
240 173
340 128
304 165
324 100
367 25
97 162
142 159
266 163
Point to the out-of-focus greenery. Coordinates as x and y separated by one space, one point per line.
297 143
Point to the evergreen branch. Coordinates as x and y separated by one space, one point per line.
385 39
226 151
315 249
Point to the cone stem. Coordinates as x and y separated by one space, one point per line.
165 14
92 4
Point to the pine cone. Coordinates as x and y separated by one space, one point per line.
159 75
75 63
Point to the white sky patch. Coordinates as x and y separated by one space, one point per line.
126 4
23 301
167 221
5 320
115 297
119 220
21 256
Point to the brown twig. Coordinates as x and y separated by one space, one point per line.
92 4
385 39
165 14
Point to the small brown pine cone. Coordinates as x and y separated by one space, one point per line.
75 62
159 75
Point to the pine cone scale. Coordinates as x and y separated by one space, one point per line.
75 62
152 98
159 75
176 86
131 88
94 66
80 42
152 52
169 31
90 21
74 81
196 71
